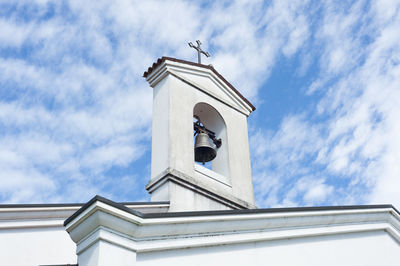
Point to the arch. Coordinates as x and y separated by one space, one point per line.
213 121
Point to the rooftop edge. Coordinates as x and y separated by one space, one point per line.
224 212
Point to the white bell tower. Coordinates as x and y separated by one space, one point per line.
184 92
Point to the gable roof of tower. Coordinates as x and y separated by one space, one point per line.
162 59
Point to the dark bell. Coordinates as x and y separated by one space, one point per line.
204 150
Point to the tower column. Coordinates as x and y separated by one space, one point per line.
182 90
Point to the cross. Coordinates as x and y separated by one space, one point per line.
199 51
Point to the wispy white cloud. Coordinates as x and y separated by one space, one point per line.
74 106
70 108
250 35
354 147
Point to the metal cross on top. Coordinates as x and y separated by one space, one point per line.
199 51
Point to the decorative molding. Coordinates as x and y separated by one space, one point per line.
103 222
51 215
168 66
201 188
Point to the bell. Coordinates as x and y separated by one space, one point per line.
204 150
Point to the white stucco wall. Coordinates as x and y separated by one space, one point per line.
36 246
352 249
333 236
160 129
185 200
103 253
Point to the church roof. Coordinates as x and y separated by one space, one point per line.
210 67
61 265
30 214
49 205
224 212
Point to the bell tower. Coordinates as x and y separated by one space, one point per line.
200 151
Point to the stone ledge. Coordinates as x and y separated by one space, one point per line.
201 188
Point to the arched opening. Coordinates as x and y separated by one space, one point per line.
213 121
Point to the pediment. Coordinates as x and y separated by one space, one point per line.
202 77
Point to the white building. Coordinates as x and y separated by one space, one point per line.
198 215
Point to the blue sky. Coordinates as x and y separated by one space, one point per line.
75 112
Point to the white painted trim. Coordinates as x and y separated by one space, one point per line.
199 240
172 67
151 234
72 208
197 186
256 236
257 216
35 209
101 206
30 224
49 216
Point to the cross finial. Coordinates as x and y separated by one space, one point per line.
199 51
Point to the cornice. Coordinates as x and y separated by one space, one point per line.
144 232
202 188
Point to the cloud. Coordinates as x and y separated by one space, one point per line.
355 145
12 35
74 104
250 35
309 190
280 158
75 112
70 109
